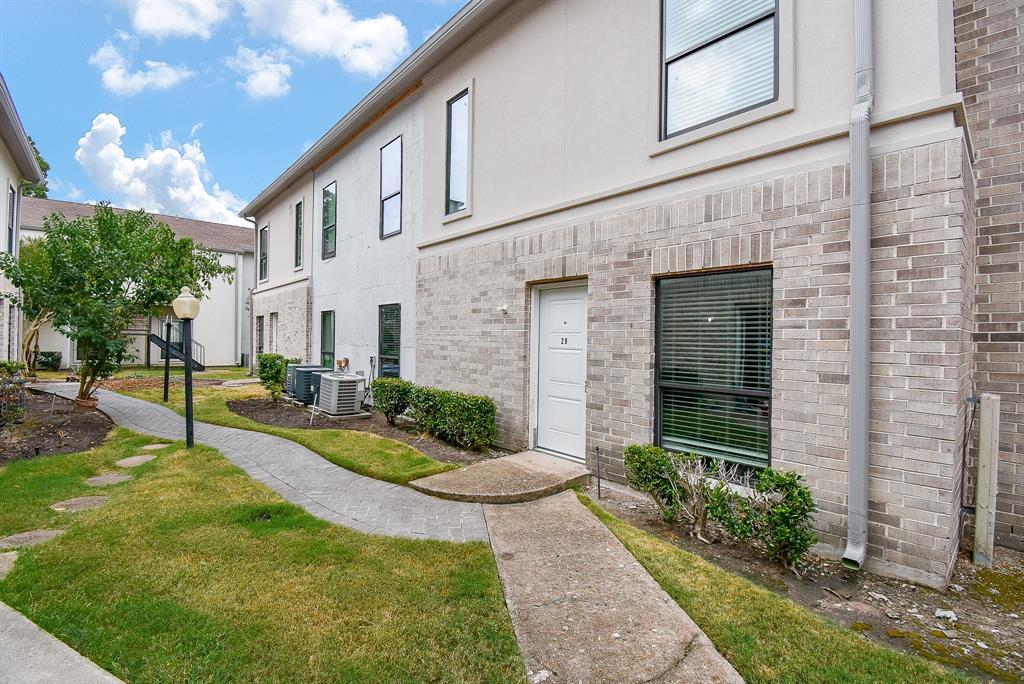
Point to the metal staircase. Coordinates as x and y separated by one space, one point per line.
176 348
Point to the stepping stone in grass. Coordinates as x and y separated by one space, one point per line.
7 562
79 503
107 479
154 447
134 461
30 538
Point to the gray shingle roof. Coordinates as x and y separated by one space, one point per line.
217 236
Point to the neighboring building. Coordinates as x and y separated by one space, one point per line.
222 329
17 164
635 226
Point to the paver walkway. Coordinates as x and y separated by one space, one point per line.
304 477
584 609
29 655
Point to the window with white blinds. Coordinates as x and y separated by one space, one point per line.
714 346
389 345
719 60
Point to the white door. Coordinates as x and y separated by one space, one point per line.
562 371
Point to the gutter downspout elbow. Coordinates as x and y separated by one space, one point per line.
860 288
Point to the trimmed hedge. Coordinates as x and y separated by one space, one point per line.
50 360
391 397
463 419
273 371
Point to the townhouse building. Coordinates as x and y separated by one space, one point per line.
778 232
17 164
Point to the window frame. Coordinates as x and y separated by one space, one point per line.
334 338
467 210
721 390
398 193
380 340
260 335
12 223
324 252
666 60
264 253
297 264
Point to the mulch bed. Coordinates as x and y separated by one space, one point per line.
284 414
62 432
135 384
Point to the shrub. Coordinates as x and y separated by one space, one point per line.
273 370
50 360
12 392
463 419
649 468
391 397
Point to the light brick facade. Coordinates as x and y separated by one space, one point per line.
923 257
293 306
990 73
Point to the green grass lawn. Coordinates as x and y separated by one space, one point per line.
766 637
195 572
212 373
360 452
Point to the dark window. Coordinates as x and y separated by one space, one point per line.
298 235
259 334
389 346
12 195
457 165
713 376
391 188
719 60
263 253
330 221
327 339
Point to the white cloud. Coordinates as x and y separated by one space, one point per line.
326 28
181 18
195 129
169 180
120 80
266 73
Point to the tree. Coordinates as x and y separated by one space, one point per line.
107 269
41 188
34 297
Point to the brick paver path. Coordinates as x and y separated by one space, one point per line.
305 478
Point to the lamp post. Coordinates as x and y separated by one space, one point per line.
186 307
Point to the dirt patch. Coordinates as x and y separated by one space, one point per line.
985 640
61 431
285 414
136 384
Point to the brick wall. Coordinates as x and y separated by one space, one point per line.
292 304
990 73
923 265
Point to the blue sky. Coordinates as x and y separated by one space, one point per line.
191 107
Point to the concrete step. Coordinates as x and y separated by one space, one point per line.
517 478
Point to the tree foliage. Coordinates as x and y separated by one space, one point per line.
34 298
42 187
105 270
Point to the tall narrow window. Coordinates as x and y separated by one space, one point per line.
714 365
259 334
719 60
263 253
12 196
391 188
327 339
457 168
330 221
389 340
298 235
273 333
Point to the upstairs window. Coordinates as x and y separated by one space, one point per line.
263 253
330 221
391 188
389 340
719 59
327 339
457 166
298 235
713 377
12 195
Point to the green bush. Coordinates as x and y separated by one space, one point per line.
391 397
463 419
650 469
273 370
50 360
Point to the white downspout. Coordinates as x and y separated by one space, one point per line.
860 286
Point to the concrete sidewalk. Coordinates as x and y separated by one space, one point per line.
526 476
584 609
28 655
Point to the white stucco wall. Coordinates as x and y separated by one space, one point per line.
10 319
279 218
366 270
